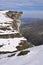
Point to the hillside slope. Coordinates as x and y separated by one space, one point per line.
34 57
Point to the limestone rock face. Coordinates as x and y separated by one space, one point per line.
10 37
15 16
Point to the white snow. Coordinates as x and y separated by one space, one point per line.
35 57
8 32
4 11
2 25
10 44
3 17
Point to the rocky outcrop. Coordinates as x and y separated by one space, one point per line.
15 16
10 37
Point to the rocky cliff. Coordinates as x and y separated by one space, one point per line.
10 38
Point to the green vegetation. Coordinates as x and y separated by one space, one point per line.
31 32
23 45
23 53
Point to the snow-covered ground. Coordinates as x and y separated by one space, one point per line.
8 32
35 57
10 44
3 17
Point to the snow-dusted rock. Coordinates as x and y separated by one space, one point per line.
10 38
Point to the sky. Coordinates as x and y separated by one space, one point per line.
30 8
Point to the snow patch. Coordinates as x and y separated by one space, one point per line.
35 57
3 17
10 44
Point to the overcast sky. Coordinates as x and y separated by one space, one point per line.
31 8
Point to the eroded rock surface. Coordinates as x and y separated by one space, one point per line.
11 40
